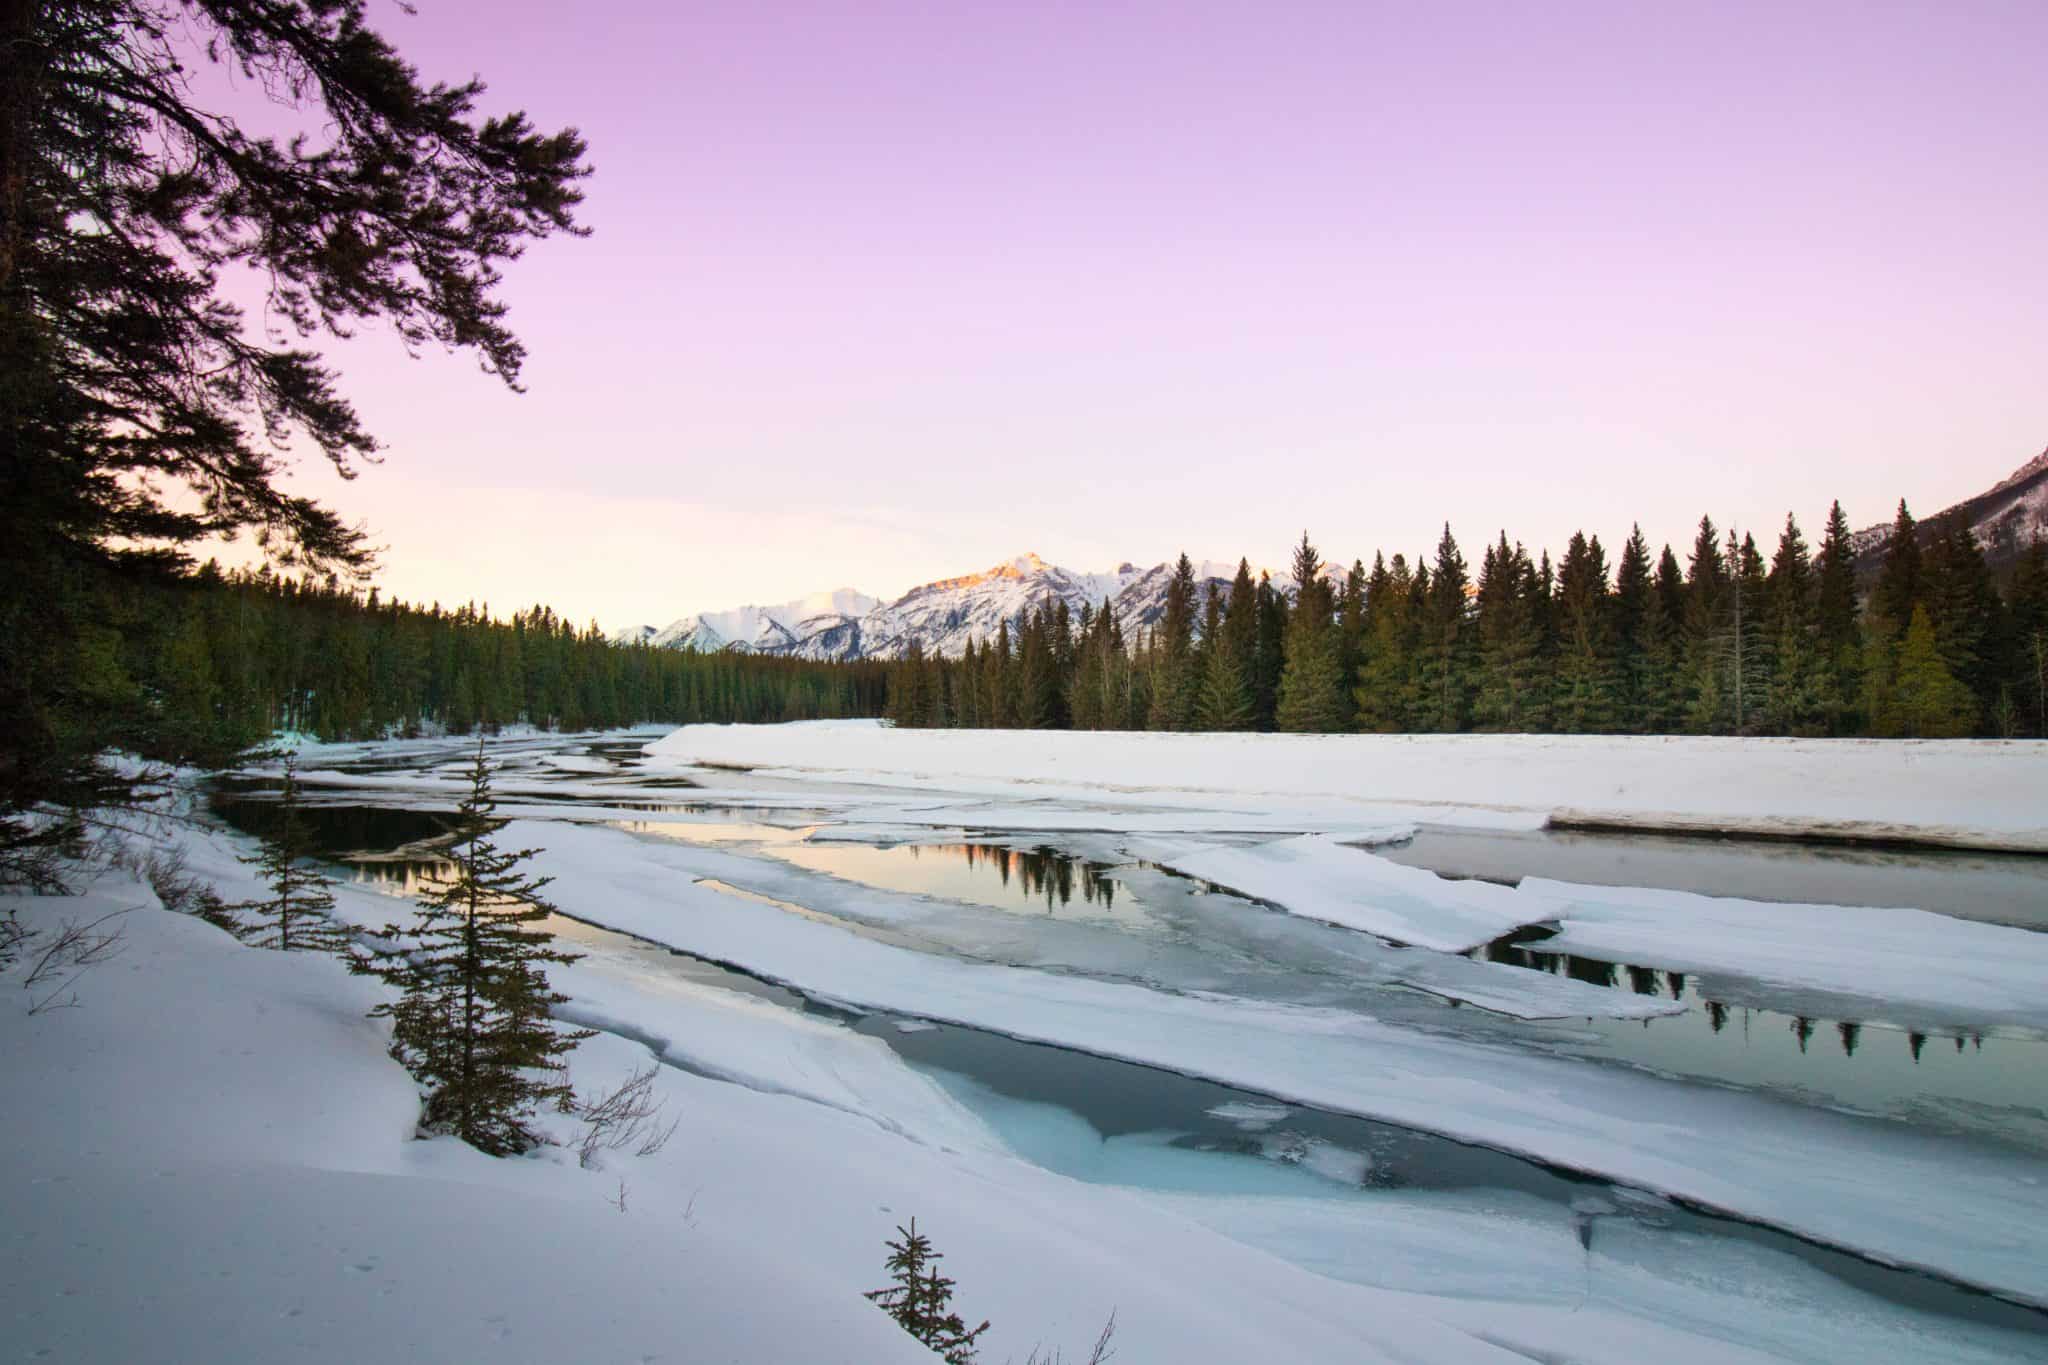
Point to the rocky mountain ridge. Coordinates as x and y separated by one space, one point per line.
943 616
2006 518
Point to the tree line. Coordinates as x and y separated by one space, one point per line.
220 661
1727 644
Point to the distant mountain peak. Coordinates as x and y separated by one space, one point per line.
1024 566
2005 518
2031 469
944 616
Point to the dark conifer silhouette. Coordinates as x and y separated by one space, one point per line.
141 411
472 1024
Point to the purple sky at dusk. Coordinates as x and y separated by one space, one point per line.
884 292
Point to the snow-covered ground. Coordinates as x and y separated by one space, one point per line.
243 1183
1964 793
246 1183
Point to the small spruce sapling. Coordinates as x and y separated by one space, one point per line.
472 1024
920 1298
296 916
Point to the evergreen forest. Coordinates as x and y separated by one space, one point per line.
210 665
1728 643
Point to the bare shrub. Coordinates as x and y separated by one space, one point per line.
1100 1355
55 966
163 867
13 935
37 850
627 1117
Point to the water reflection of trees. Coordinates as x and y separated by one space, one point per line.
1519 950
335 829
1041 873
400 877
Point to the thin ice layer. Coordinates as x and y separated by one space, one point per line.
1974 973
1317 877
1968 1211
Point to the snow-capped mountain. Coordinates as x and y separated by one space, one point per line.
943 616
2006 518
778 629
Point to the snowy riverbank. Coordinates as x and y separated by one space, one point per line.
214 1158
217 1157
1990 794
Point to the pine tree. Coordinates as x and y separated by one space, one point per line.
1225 702
1739 643
1239 633
1962 602
1837 628
1309 700
1835 616
1002 692
1173 674
920 1298
1105 674
1038 682
1350 641
1667 646
1509 641
1381 694
1269 654
297 914
1588 689
472 1024
2027 605
1898 589
909 688
1063 656
1796 695
1926 701
1447 646
1703 634
1634 601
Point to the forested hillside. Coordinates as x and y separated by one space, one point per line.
222 661
1730 643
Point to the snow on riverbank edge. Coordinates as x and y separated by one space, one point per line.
1983 794
214 1155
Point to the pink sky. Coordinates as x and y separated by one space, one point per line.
883 292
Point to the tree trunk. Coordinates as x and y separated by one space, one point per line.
23 60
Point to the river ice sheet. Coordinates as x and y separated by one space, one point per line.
1968 1210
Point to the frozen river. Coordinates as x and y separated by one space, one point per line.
1692 1126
